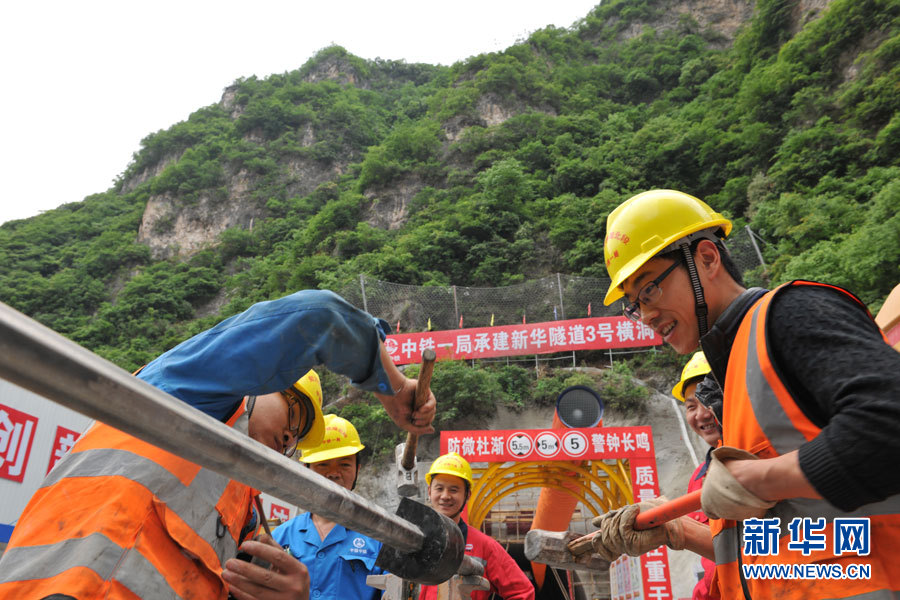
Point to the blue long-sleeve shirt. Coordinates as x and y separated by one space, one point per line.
268 347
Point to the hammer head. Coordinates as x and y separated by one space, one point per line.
441 553
407 479
552 548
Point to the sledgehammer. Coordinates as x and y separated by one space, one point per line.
405 454
562 549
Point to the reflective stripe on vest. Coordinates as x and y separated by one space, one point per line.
759 415
725 545
95 552
167 528
204 491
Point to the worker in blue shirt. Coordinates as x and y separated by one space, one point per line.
269 346
338 559
252 371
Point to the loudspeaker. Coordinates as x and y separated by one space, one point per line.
579 406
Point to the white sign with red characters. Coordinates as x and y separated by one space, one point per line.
16 434
597 333
34 434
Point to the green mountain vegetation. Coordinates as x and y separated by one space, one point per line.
500 168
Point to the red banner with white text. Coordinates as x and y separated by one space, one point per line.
586 443
598 333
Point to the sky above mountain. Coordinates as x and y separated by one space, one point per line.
86 81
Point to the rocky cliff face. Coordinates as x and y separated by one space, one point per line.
723 17
172 228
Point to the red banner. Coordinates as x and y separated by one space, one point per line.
598 333
654 568
643 578
651 570
588 443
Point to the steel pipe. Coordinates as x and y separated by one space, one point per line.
37 358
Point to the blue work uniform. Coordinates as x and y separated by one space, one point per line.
268 347
337 566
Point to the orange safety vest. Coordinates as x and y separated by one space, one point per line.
119 518
760 416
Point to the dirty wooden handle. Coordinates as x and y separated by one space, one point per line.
648 519
422 387
262 516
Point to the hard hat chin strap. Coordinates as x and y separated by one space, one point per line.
700 307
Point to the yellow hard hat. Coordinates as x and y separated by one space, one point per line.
341 439
645 225
309 390
696 367
450 464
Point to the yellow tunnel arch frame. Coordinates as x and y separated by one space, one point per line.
579 479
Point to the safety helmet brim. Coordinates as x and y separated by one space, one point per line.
330 454
340 439
696 368
310 388
453 464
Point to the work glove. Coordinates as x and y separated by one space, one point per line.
617 535
723 497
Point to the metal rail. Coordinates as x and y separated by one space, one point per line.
38 359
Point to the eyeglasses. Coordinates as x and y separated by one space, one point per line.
649 294
298 410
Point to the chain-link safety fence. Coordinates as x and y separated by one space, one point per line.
410 308
743 245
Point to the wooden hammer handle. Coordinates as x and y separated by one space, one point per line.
582 545
262 515
422 387
648 519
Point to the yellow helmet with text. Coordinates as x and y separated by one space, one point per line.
308 391
646 225
450 464
695 368
341 439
